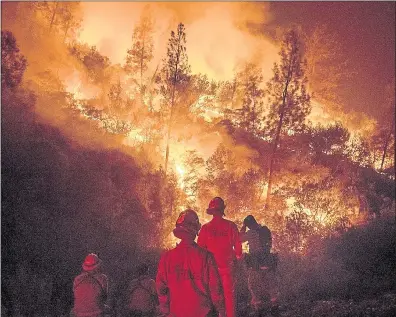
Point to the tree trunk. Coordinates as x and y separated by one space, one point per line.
141 72
67 29
271 167
277 138
151 107
386 145
53 15
172 107
171 207
234 86
169 127
167 149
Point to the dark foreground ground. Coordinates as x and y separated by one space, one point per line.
351 275
382 306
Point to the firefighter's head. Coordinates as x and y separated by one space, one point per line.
91 262
216 206
250 222
187 224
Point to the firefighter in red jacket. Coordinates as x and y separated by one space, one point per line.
221 237
188 282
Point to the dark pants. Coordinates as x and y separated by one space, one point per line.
262 280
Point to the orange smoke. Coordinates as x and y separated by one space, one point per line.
217 37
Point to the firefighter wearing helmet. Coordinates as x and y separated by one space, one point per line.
261 266
90 289
188 282
221 237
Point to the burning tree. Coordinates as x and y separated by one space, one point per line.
387 131
227 96
191 177
13 63
141 53
302 163
175 76
232 175
250 114
288 98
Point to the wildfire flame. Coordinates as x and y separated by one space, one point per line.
214 55
181 172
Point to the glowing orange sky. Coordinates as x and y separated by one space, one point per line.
214 43
218 39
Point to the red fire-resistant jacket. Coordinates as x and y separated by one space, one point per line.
188 282
221 237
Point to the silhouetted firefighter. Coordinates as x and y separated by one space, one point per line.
261 264
90 290
220 236
140 296
188 282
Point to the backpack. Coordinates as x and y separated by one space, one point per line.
139 291
265 238
263 259
90 277
89 293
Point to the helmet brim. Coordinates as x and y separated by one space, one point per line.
211 211
180 232
91 267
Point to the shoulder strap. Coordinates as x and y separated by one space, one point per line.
92 278
139 285
142 286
